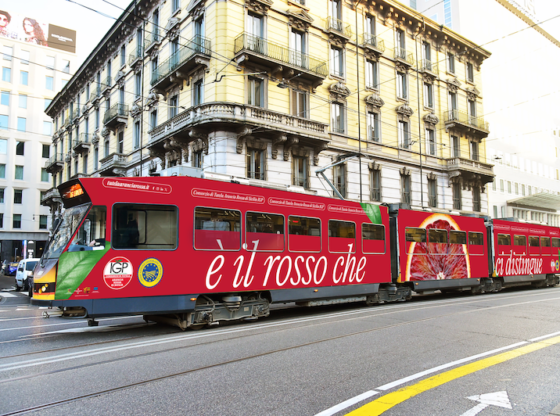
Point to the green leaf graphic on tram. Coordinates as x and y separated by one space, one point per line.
373 212
73 268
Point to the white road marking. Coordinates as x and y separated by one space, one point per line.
109 328
499 398
347 403
142 344
8 295
475 410
451 364
73 322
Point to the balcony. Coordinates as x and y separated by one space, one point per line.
470 170
273 55
106 85
133 58
95 94
116 115
403 56
429 66
176 68
55 163
338 27
464 122
82 143
79 175
113 165
152 40
51 198
373 43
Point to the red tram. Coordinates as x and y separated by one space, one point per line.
194 252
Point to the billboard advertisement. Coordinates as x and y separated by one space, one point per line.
36 31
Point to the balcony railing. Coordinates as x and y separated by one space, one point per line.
457 203
116 111
373 136
376 195
55 163
280 53
151 40
338 25
403 55
107 83
82 143
133 57
428 65
231 112
374 42
114 160
198 45
50 196
432 201
406 198
476 206
465 118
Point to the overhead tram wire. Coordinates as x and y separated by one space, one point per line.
229 62
218 56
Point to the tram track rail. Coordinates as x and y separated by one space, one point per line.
415 304
246 358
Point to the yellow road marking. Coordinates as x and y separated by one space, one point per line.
390 400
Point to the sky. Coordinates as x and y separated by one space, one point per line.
91 26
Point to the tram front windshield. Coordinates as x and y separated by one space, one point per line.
71 220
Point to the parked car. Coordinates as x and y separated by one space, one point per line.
12 268
24 271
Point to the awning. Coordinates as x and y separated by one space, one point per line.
542 200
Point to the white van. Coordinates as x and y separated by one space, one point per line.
25 270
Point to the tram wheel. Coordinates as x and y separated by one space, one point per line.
197 327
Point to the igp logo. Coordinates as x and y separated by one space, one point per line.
150 272
118 273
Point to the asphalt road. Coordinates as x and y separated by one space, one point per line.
424 357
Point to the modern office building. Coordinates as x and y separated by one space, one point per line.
31 74
269 91
521 87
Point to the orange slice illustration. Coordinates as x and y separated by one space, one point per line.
437 261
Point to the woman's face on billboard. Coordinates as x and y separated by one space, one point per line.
3 21
27 26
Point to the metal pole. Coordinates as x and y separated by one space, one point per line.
419 122
358 95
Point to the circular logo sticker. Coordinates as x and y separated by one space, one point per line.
117 273
557 265
150 272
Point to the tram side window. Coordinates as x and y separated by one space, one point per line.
520 240
416 235
504 239
264 232
545 246
534 242
476 239
437 236
373 238
217 229
144 227
457 237
92 232
304 234
342 236
555 242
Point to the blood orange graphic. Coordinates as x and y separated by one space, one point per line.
437 261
